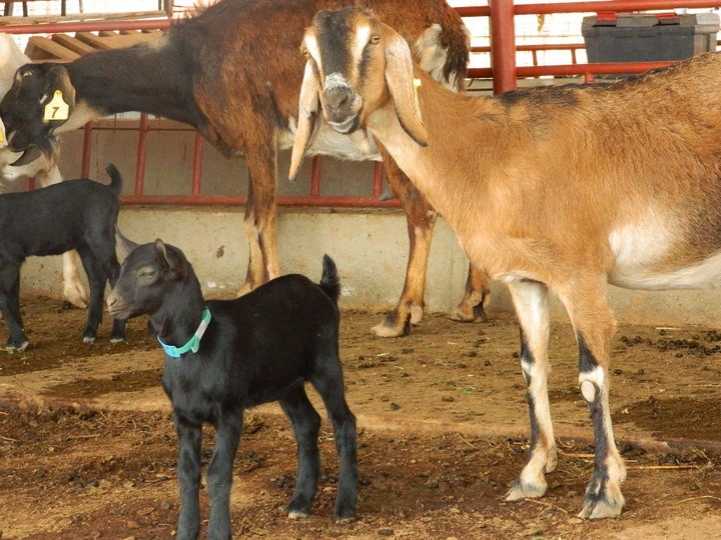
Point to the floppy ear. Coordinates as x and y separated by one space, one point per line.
28 156
59 96
399 78
307 118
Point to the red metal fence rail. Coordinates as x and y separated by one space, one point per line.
504 73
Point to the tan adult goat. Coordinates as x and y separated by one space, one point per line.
579 185
233 73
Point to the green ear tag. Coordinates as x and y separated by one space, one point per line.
57 109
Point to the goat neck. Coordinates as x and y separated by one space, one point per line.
146 77
178 318
174 301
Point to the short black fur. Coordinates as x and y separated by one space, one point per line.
258 348
74 214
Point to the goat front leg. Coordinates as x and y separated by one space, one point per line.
471 307
530 299
594 327
189 445
10 306
261 219
220 474
74 290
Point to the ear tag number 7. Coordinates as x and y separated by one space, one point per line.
56 109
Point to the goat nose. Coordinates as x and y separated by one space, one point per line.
337 98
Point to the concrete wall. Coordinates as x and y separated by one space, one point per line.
370 249
369 246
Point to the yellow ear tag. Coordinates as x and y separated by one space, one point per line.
57 109
416 84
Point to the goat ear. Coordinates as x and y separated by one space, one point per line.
307 117
161 254
59 87
168 259
399 78
28 156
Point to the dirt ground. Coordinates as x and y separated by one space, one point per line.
87 448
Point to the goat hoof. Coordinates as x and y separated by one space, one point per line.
526 490
390 327
344 516
601 509
88 339
469 314
75 298
416 314
295 514
13 346
117 340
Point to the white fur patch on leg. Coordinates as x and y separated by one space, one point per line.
588 390
590 381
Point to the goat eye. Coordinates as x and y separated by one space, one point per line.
375 39
146 273
305 53
27 74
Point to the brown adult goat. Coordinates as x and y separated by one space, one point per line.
233 73
580 186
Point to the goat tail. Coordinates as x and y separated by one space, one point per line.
330 282
116 181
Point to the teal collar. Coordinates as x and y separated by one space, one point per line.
194 342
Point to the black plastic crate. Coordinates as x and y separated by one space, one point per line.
648 37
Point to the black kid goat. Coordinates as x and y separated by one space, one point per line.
224 356
75 214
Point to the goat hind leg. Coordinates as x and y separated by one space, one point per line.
420 218
471 306
329 385
104 252
594 326
530 299
306 427
260 222
96 280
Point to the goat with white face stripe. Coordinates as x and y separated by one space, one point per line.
562 188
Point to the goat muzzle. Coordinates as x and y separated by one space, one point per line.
341 108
